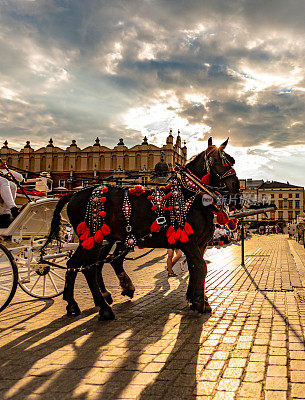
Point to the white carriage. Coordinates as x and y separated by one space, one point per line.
21 262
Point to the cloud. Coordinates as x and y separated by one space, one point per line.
85 69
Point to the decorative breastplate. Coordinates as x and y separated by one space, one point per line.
93 229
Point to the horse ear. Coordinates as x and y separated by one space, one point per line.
223 145
210 141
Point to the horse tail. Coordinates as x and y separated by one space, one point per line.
56 220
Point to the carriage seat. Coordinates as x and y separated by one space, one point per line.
33 220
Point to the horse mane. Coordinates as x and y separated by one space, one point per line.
196 156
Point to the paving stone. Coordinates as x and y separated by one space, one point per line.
250 390
298 376
276 383
298 390
228 384
275 395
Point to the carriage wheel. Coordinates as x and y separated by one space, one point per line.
42 281
8 277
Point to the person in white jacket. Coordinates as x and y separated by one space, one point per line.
8 190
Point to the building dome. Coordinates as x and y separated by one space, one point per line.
161 168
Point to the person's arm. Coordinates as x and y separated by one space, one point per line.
16 175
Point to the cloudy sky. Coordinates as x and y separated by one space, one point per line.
81 69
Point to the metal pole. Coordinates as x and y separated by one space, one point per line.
242 243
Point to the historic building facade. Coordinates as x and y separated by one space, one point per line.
289 200
74 167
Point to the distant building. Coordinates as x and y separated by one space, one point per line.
289 199
74 167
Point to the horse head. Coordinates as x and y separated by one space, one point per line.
215 163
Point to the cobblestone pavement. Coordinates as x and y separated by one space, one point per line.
250 347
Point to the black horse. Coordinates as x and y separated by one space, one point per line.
213 161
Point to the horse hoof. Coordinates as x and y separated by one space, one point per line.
108 299
201 306
72 309
128 292
106 315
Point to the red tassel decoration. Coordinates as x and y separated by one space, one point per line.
105 190
222 217
178 234
184 237
188 229
103 214
171 239
88 243
170 208
232 224
206 179
103 199
153 208
105 230
81 228
98 237
155 227
85 235
168 186
168 195
164 208
170 231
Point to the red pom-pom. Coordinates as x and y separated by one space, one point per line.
170 231
168 195
170 208
99 237
171 239
184 237
149 197
103 199
232 224
155 227
88 243
137 190
81 228
222 217
105 229
188 229
205 179
168 186
103 214
85 235
177 234
153 208
164 208
105 190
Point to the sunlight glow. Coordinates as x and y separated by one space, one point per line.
113 59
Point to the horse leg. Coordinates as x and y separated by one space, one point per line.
103 254
198 271
105 312
68 295
126 284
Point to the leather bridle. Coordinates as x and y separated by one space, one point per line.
225 162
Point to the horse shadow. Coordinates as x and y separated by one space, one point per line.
109 356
